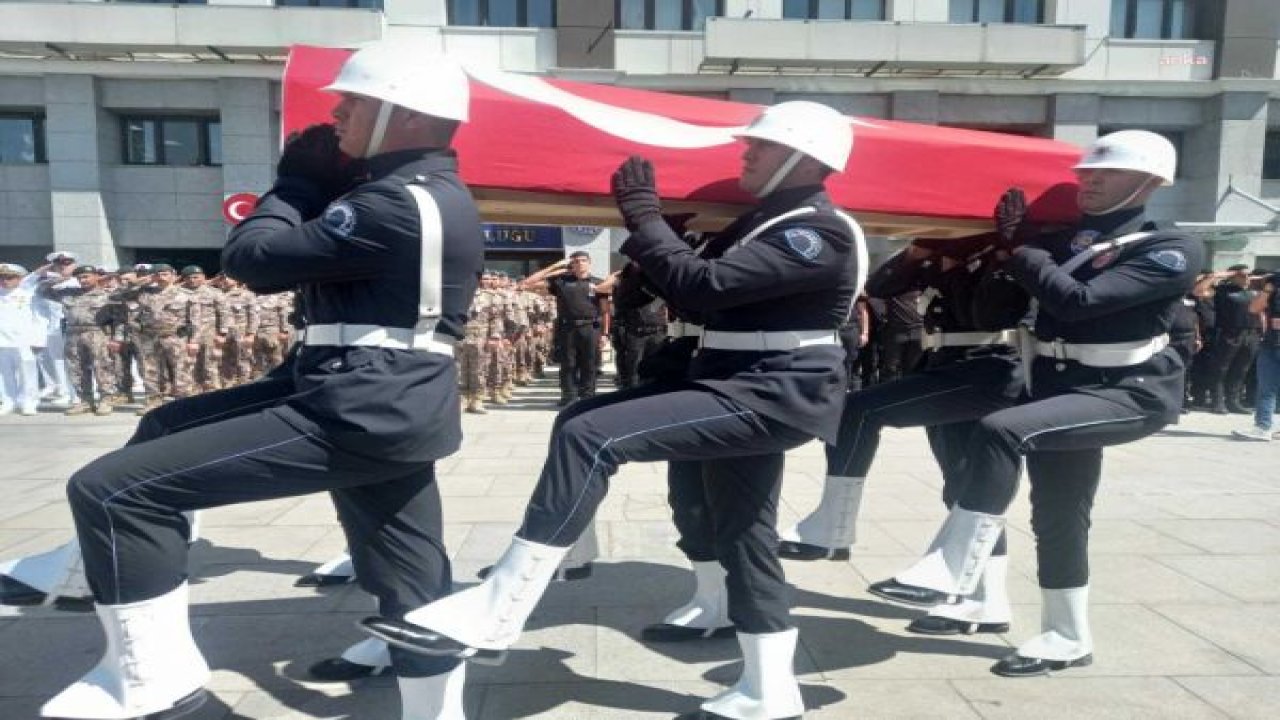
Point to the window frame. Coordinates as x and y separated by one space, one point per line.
650 15
1010 6
350 4
1271 154
522 15
1130 20
38 121
812 13
203 152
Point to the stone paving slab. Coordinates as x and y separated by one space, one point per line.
1186 584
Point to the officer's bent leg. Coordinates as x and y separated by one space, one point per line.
950 448
1063 485
690 511
210 407
743 495
1073 421
394 531
586 449
127 504
925 398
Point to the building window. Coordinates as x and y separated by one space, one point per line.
833 9
172 140
503 13
997 11
1155 19
21 139
374 4
666 14
1271 156
1177 137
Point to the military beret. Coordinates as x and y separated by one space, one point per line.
86 270
192 270
161 267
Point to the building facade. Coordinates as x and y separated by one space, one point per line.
124 125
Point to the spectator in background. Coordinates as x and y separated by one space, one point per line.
1235 340
1266 304
20 330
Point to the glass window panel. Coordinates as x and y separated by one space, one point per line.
1119 13
1149 22
797 9
868 10
831 9
1271 156
215 142
140 142
961 11
1182 19
700 11
668 14
504 13
541 13
464 12
181 142
1026 11
631 14
18 140
991 11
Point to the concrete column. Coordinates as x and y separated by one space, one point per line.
75 180
920 106
1073 117
249 147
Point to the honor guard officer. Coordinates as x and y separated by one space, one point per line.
386 266
1102 374
970 370
769 376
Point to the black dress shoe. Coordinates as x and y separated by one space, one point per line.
414 638
342 670
792 550
1016 665
316 580
704 715
562 574
912 595
666 632
934 625
14 592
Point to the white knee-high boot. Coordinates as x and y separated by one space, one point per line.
986 610
438 697
151 664
767 689
55 573
706 615
336 571
958 555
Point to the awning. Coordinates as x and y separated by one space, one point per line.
540 150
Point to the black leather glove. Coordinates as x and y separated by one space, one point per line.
636 192
313 155
1009 213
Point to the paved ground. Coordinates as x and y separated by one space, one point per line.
1186 584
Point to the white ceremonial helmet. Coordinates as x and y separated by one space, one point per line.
811 128
1137 150
399 74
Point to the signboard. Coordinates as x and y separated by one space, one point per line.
537 238
237 206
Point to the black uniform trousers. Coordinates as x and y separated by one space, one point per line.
232 446
740 453
1233 354
580 355
631 347
899 354
1061 431
945 400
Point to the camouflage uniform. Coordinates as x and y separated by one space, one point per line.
499 360
239 325
522 343
128 332
205 367
168 318
473 354
273 326
90 318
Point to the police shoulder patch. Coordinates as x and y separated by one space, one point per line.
1171 260
340 217
804 242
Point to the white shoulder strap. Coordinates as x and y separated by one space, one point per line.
772 222
432 257
1097 249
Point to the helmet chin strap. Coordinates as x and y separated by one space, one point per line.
1132 196
780 174
379 129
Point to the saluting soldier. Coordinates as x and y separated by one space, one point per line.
91 317
168 316
473 366
272 337
208 358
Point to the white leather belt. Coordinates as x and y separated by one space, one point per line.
933 341
1103 355
680 329
343 334
761 340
